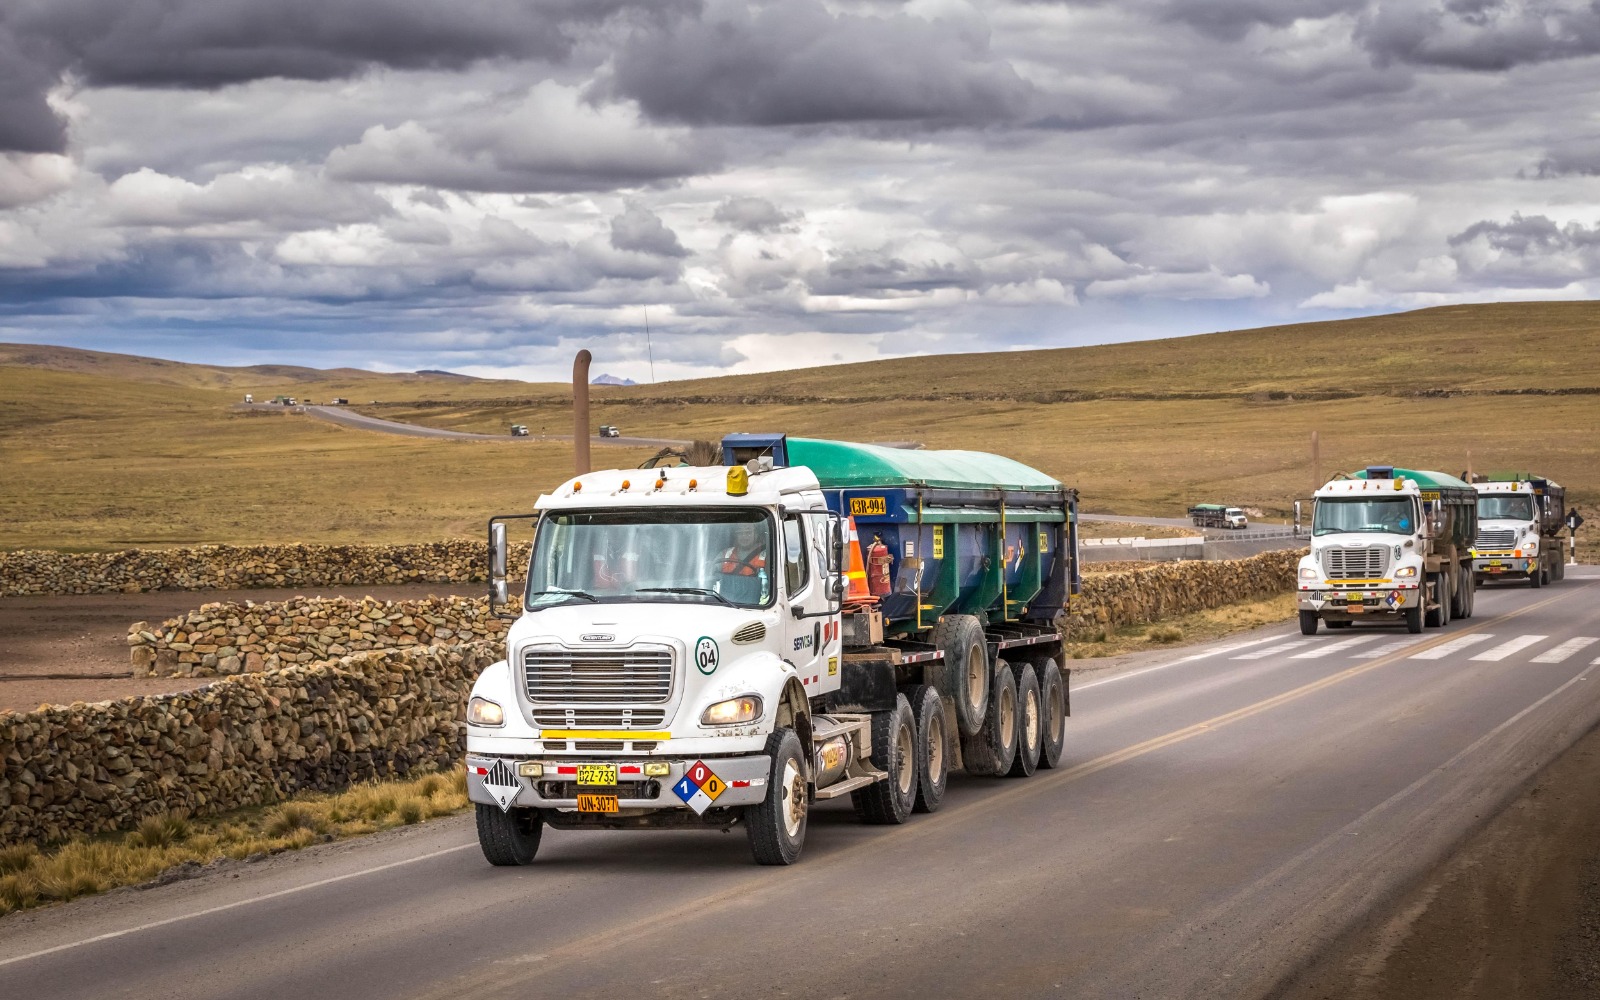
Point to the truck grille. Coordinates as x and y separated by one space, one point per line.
1356 563
1497 538
598 718
637 675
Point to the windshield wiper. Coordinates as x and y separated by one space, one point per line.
686 590
565 593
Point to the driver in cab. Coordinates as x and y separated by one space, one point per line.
744 564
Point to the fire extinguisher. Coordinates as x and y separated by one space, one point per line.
878 560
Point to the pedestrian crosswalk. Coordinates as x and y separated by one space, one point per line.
1484 647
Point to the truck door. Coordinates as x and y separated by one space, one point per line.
809 627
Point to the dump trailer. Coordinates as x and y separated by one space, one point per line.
1389 544
1216 515
1520 520
726 645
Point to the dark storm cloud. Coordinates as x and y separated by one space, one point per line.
1231 20
795 63
1530 236
752 215
1481 35
1528 252
211 43
1579 157
639 230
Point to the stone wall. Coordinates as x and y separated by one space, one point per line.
220 639
1148 594
242 567
246 740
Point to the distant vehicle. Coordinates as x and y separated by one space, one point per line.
609 431
249 398
340 401
292 402
1216 515
282 400
519 430
1520 519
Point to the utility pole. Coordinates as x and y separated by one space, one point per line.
651 351
580 413
1316 464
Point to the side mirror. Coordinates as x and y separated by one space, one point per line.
1297 519
497 564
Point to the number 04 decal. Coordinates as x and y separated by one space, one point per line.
705 654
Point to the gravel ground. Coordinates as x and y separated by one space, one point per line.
74 648
1514 914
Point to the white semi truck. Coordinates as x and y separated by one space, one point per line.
1520 520
1392 545
726 645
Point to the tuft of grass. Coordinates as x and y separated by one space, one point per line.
1164 634
1191 628
31 877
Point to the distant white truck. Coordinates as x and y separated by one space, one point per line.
1520 519
1389 544
249 398
1216 515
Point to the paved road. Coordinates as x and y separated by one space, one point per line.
1221 815
1251 530
350 418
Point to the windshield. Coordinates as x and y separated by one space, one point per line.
1517 507
1392 515
612 556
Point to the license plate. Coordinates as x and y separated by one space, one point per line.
1355 609
598 774
1496 568
588 802
1496 562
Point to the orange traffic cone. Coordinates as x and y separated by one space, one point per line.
857 571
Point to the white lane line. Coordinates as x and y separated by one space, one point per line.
231 906
1333 647
1386 649
1505 649
1555 654
1187 659
1453 646
1282 647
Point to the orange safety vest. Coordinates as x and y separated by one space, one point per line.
732 565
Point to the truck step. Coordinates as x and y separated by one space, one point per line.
848 785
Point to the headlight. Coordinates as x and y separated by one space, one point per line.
1405 571
483 712
1307 573
745 708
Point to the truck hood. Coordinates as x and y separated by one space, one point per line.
611 625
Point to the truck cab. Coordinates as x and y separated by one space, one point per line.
1390 545
700 646
1520 518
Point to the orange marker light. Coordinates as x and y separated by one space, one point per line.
624 484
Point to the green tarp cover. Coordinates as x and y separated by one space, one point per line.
843 465
1424 480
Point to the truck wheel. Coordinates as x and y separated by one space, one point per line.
1308 623
1413 620
894 751
966 678
994 748
1053 712
1030 721
777 824
1469 584
509 838
1435 616
933 747
1458 600
1536 578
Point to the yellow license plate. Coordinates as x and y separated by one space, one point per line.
1496 562
588 802
597 774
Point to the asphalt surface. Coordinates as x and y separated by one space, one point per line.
1252 530
346 417
1221 815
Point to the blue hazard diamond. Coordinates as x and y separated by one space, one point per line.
686 789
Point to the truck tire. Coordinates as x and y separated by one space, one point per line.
1469 585
1536 577
894 751
509 838
1437 616
993 749
1053 710
777 824
933 747
1413 620
1030 721
966 679
1458 600
1308 623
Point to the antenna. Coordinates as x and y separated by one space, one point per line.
649 349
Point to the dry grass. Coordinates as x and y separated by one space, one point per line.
1201 626
29 877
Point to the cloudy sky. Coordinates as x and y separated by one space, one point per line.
486 185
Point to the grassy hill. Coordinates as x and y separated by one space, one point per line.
133 451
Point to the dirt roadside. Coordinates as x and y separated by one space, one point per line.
60 649
1514 914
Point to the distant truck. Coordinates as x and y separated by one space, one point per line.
249 398
340 401
721 646
1216 515
1520 520
1390 544
609 431
519 430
